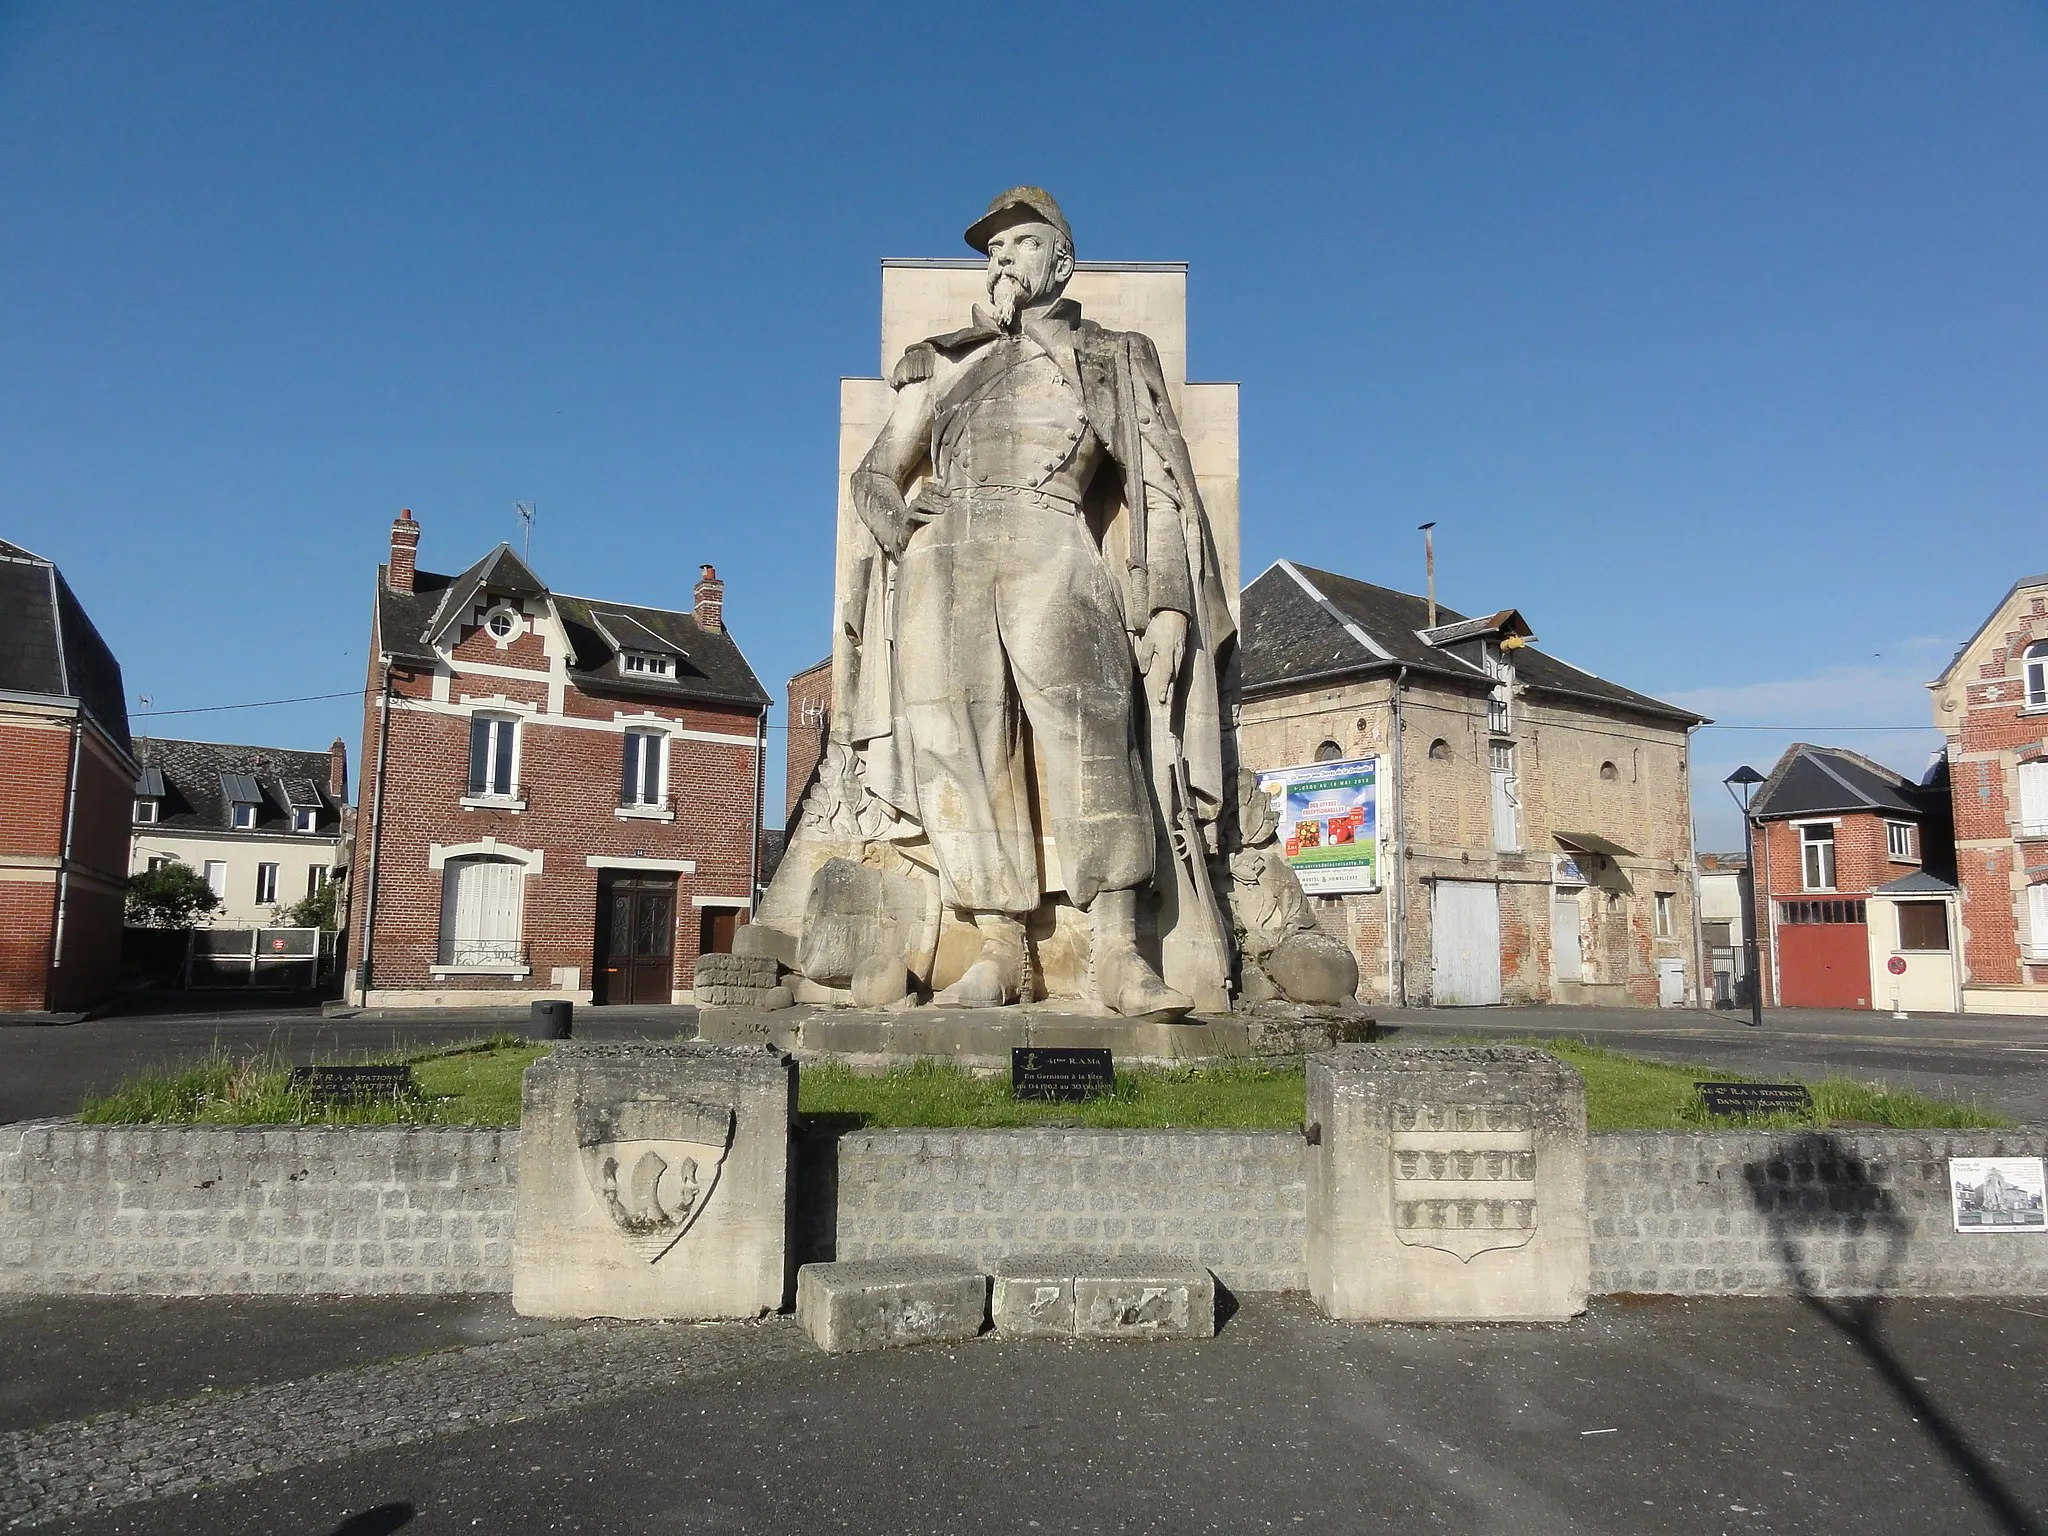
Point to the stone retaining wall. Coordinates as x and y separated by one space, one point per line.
197 1210
1831 1213
210 1210
1235 1201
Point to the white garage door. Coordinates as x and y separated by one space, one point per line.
1466 940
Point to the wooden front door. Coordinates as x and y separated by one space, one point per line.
637 939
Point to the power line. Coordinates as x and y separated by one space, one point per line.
214 709
1820 727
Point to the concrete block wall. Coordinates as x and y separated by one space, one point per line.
1831 1213
1235 1201
204 1210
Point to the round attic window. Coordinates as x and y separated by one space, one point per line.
499 623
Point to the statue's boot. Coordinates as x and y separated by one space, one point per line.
997 973
1124 983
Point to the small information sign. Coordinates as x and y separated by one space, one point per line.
1998 1194
1755 1098
1061 1074
351 1085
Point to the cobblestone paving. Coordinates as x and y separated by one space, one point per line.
72 1468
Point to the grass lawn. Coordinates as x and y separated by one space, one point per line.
478 1084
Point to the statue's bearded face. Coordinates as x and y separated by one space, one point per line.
1027 261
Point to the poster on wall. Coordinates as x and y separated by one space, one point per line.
1998 1194
1329 823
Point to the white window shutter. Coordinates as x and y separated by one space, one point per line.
2034 798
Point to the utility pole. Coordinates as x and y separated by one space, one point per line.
525 510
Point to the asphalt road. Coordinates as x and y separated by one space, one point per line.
2000 1062
1703 1416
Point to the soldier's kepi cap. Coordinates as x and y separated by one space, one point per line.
1031 199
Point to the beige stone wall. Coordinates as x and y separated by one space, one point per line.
238 907
1443 804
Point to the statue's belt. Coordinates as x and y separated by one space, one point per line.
997 495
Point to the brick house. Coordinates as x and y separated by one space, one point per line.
266 826
66 773
561 795
1854 905
1534 822
810 720
1991 702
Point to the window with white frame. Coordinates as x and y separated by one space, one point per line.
158 861
493 747
305 818
316 879
1817 856
2034 798
266 883
1902 841
1666 921
1499 711
217 877
2037 922
244 815
145 811
644 774
646 664
482 907
1507 805
2035 670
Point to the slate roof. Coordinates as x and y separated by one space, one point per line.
1918 883
197 776
1818 781
1302 624
49 646
709 666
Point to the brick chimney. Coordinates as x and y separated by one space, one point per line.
405 545
337 771
710 600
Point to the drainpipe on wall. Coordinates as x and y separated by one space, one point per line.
376 831
1700 979
64 860
1399 947
760 792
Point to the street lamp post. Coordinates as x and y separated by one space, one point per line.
1740 785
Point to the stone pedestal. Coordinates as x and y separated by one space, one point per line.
653 1182
1447 1185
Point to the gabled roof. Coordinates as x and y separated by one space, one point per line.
1990 619
201 780
1301 623
709 666
1816 781
49 646
1918 883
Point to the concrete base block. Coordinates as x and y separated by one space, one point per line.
889 1303
1076 1296
1447 1185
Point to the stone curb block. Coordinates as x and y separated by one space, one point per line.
865 1304
1081 1296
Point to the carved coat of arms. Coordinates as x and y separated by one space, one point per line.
1464 1176
653 1164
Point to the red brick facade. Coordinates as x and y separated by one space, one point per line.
1862 864
810 717
563 820
1982 705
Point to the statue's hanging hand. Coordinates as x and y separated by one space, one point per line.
1159 653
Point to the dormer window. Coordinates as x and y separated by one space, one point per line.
146 811
499 624
243 795
645 663
305 818
244 815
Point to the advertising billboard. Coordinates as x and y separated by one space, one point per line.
1329 823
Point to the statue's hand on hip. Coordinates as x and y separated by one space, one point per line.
1160 650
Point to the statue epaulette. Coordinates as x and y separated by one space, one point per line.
918 361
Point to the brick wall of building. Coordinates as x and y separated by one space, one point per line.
809 717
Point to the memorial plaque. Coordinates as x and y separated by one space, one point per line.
1755 1098
1061 1074
351 1085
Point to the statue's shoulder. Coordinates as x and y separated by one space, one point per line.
1099 341
921 358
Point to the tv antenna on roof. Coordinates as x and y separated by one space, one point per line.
525 510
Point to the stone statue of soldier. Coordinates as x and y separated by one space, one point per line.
1056 620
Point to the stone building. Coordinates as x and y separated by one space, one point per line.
1991 702
266 826
1534 823
1854 906
561 795
65 773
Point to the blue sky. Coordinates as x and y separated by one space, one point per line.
1714 337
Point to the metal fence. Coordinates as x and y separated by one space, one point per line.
260 957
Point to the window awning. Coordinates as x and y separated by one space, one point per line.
1588 842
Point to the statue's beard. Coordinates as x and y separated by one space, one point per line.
1006 296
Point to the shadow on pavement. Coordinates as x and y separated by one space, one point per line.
1815 1189
380 1521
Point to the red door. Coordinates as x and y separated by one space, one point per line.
1824 965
